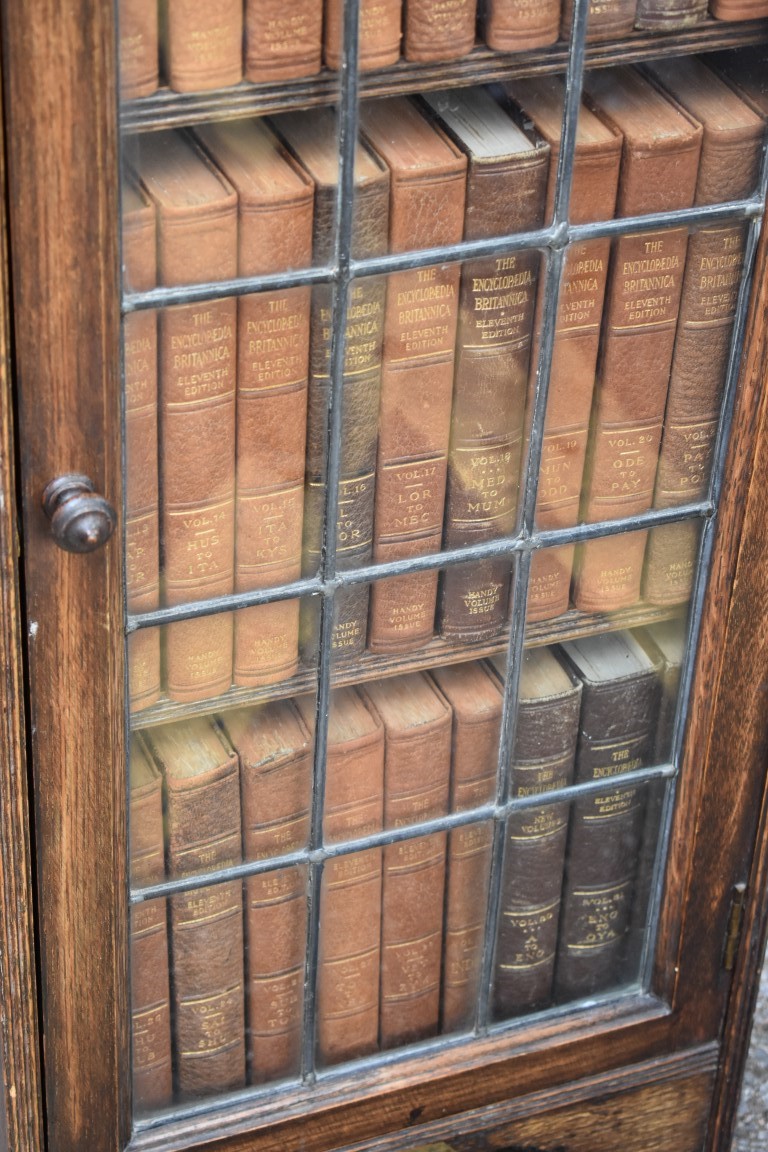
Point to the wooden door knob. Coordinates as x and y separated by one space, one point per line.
81 520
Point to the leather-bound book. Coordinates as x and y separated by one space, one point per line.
659 167
275 750
438 30
607 20
506 186
202 817
519 25
142 528
728 170
379 33
275 205
202 43
150 996
665 643
138 48
282 41
350 896
669 15
427 184
197 241
417 724
475 701
617 730
738 9
312 136
577 329
549 700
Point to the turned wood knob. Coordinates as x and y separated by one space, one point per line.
81 520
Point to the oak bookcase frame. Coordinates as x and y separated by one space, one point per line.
665 1057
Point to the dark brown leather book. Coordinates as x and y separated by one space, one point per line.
608 19
738 9
427 184
438 29
312 137
197 241
150 996
549 701
201 782
202 43
417 723
142 527
506 185
475 701
275 205
138 49
669 15
665 644
350 897
282 41
379 33
616 735
577 333
275 750
728 170
659 166
519 25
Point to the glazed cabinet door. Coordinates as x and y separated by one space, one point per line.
390 402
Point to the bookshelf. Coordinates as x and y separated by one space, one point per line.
646 1057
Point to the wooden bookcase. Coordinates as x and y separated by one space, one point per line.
651 1071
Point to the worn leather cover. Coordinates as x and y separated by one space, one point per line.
202 43
350 896
275 202
475 701
203 833
738 9
505 193
438 29
275 750
608 19
142 528
728 170
658 172
545 748
312 138
379 33
150 996
617 732
138 48
669 15
519 25
427 183
577 330
417 723
282 41
197 241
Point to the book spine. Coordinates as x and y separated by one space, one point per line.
282 42
203 44
608 19
604 837
669 15
150 995
414 418
198 351
203 816
533 858
738 9
139 48
439 29
519 25
566 428
379 33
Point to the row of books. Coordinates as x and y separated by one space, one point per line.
401 927
438 359
206 45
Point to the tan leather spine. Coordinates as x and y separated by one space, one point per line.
427 188
738 9
138 48
282 41
150 996
203 42
641 313
142 528
379 33
608 19
519 25
438 29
